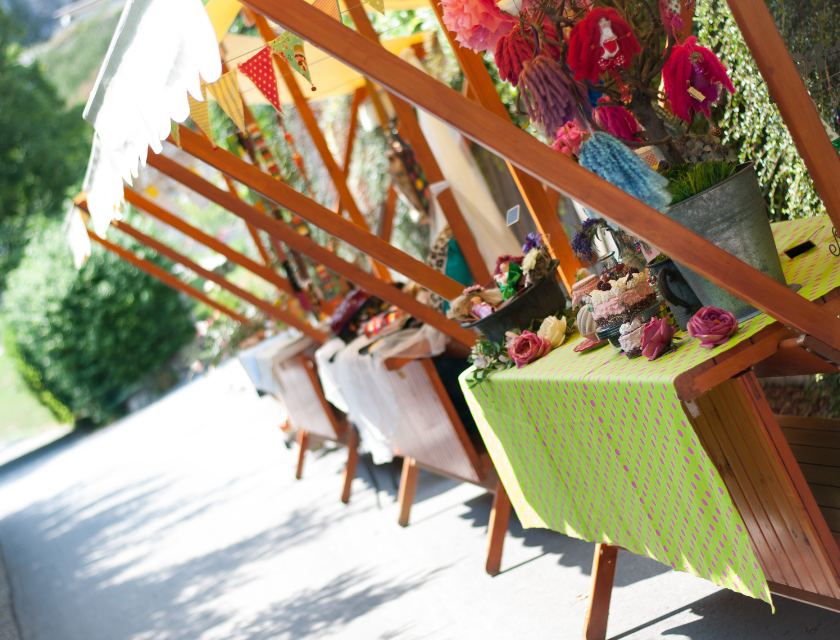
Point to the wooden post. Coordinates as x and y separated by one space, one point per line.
543 212
352 463
358 96
553 168
603 576
408 486
303 445
792 98
388 214
165 277
420 146
309 210
147 206
308 247
496 529
267 307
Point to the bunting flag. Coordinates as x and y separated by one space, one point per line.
330 7
175 132
200 113
226 92
260 70
290 48
379 5
262 148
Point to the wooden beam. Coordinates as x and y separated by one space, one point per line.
164 276
541 162
310 210
311 123
147 206
267 307
483 91
358 96
416 138
388 214
307 246
791 97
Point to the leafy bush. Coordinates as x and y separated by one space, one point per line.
87 338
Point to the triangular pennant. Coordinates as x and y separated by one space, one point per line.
226 92
290 47
379 5
175 132
260 70
330 7
200 113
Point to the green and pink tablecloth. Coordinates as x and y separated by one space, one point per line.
597 446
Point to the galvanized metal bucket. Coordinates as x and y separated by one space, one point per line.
733 216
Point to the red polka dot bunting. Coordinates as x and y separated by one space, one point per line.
261 72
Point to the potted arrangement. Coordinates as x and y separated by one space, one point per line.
617 88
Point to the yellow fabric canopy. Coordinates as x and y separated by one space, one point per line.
331 77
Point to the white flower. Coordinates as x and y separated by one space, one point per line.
553 330
530 260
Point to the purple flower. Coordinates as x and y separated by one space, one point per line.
590 223
532 241
582 246
713 326
656 338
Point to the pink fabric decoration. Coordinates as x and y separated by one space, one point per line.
693 79
617 121
477 24
712 326
514 49
568 139
527 348
656 338
602 41
669 12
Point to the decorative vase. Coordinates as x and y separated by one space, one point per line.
542 299
731 215
675 289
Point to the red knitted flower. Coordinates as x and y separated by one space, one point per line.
515 48
693 79
616 121
600 42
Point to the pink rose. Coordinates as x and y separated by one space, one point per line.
528 347
477 24
568 139
656 338
713 326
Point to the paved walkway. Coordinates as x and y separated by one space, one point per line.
185 522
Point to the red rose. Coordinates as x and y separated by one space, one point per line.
656 338
527 348
713 326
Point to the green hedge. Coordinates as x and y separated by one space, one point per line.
86 338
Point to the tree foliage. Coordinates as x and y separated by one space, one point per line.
87 337
43 147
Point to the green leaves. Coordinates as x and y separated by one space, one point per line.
686 180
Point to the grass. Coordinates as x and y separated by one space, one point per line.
686 180
21 415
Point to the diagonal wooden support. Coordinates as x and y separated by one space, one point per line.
163 275
414 134
315 213
543 211
267 307
338 177
792 98
145 205
308 247
541 162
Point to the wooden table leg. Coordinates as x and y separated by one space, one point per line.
408 485
352 463
497 528
603 574
303 444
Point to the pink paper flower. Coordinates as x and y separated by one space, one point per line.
568 139
713 326
528 347
656 338
478 24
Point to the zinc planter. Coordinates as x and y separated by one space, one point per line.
731 215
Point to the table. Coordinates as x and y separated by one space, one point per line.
679 459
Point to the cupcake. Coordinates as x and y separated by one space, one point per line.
583 288
631 338
614 299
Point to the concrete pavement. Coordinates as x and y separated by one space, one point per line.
184 521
